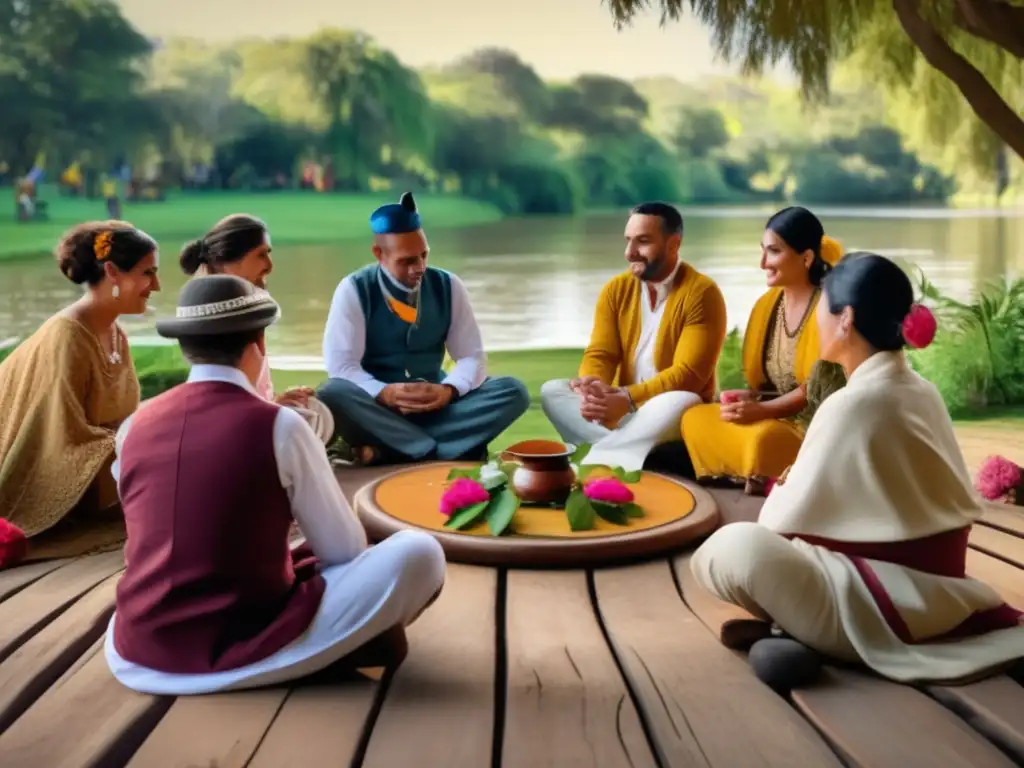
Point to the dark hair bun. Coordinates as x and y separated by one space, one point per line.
122 245
191 257
76 254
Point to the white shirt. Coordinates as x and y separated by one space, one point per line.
650 322
331 528
345 341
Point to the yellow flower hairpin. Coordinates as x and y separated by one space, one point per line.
101 245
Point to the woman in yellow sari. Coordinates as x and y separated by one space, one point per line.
66 389
754 434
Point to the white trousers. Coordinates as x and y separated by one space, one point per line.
655 422
767 575
385 586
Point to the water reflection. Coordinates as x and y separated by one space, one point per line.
534 282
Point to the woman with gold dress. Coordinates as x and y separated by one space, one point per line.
752 435
66 389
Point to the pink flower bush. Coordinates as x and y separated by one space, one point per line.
608 490
919 327
997 477
462 493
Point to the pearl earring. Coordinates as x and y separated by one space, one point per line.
117 291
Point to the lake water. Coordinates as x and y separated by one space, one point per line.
533 282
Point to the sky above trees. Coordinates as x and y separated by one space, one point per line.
560 39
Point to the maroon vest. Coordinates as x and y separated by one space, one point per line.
210 582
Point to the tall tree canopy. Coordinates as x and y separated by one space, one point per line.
978 45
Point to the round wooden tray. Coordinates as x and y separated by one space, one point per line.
676 513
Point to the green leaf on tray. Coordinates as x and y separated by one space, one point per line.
501 510
627 477
464 517
579 511
613 513
633 510
494 481
470 472
580 453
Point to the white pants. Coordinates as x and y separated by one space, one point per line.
655 422
385 586
767 575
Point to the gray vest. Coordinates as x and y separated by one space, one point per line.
395 350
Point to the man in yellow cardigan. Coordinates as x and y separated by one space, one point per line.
658 331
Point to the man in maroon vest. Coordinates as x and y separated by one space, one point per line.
211 477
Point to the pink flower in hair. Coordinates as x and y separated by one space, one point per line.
997 477
464 492
608 490
919 327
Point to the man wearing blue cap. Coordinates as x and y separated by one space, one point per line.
388 328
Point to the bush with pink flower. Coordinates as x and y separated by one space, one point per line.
1000 479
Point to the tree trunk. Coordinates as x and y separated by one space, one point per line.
993 20
986 102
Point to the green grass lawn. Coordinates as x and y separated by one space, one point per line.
293 216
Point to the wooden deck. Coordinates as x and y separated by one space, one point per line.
614 667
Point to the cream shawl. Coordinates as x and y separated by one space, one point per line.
880 463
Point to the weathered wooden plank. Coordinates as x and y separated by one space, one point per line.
998 544
1006 579
994 707
86 719
222 730
320 724
24 613
567 703
735 506
439 708
734 627
14 580
872 722
31 669
1005 517
702 704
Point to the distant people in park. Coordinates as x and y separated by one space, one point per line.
66 390
28 206
658 331
212 477
388 328
753 434
72 182
859 554
240 245
108 189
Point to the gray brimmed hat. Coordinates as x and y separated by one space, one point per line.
215 305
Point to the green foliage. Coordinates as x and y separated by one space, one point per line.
730 363
977 359
977 44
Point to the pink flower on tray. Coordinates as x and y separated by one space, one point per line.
462 493
608 490
997 477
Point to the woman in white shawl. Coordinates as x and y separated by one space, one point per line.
860 553
240 245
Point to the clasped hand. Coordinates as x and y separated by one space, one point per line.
415 397
601 403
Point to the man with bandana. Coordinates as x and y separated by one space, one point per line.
658 332
387 331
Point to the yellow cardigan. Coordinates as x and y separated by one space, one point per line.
687 346
755 340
